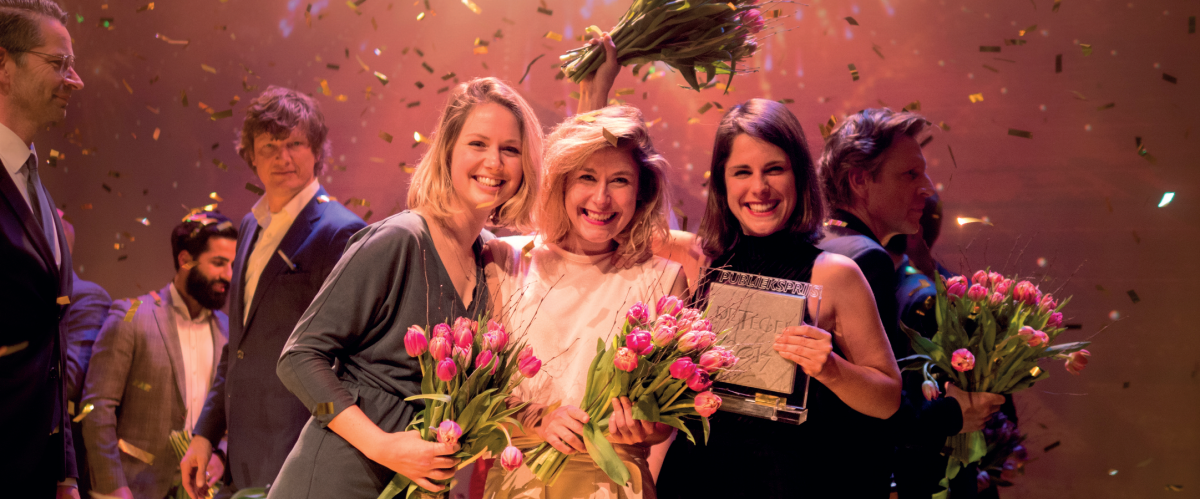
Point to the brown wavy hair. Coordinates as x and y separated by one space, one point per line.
858 144
432 189
278 111
567 149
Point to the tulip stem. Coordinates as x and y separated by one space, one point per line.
673 397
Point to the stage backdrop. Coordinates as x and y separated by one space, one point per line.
1064 124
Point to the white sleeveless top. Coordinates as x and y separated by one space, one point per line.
560 303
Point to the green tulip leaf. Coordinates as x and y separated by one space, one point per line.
604 455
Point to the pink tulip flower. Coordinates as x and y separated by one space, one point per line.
710 361
440 348
728 359
483 359
1047 303
1076 361
996 299
980 277
443 331
1055 320
446 369
625 359
956 286
448 432
511 458
499 336
668 305
977 293
1004 286
689 315
752 20
464 355
414 342
463 337
707 403
663 334
528 365
962 360
640 342
682 368
638 314
699 381
664 320
930 390
1025 292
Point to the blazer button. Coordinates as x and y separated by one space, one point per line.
241 354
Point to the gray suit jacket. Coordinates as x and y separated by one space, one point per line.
136 384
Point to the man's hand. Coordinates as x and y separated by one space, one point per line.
420 461
196 463
623 429
72 492
977 407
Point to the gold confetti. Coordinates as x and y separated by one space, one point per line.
1035 371
149 6
693 120
971 220
1192 25
471 5
625 91
976 97
448 76
322 199
228 113
876 49
553 36
215 197
1087 49
989 68
420 16
183 98
1057 3
137 453
11 349
157 132
419 85
479 50
382 78
170 41
989 48
1175 488
208 68
325 88
287 260
258 191
952 160
589 117
341 98
704 109
1169 78
132 310
1058 63
612 139
142 385
407 169
527 68
387 137
543 10
324 409
851 21
220 164
63 300
853 72
144 221
1020 133
87 409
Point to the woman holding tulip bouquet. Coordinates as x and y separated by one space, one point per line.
602 199
765 210
346 359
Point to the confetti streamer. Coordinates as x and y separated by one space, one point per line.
1020 133
1050 447
989 68
528 67
1058 63
258 191
287 260
87 409
851 21
853 72
952 160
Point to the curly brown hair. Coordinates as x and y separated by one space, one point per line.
278 111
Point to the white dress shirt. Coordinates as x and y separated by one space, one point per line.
196 343
14 153
272 228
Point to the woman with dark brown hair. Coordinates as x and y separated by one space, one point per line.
764 213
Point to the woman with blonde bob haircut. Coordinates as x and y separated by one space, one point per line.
602 199
346 358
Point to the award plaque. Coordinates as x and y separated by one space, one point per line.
754 310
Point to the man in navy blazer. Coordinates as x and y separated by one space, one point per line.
286 247
37 78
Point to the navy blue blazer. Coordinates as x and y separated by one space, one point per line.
856 242
262 417
37 445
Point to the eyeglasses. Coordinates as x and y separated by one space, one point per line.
64 63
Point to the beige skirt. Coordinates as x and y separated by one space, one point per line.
580 478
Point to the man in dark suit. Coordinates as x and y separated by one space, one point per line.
37 78
288 244
154 363
873 174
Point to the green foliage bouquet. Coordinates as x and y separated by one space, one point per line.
991 335
465 393
688 35
665 367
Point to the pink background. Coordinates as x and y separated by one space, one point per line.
1076 194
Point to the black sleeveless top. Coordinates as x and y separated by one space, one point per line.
837 452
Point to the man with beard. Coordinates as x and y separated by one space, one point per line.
154 360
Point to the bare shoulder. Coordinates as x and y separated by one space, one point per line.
832 268
682 247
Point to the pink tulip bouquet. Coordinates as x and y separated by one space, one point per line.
708 35
992 333
467 374
665 366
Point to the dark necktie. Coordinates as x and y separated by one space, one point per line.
41 209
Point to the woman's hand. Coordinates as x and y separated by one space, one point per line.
593 90
977 407
807 346
562 427
623 429
418 460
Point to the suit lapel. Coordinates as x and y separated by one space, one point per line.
292 240
237 303
66 277
170 336
36 237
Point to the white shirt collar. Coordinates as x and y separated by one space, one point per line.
180 307
262 212
13 151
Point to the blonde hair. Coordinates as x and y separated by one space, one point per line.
572 143
432 189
